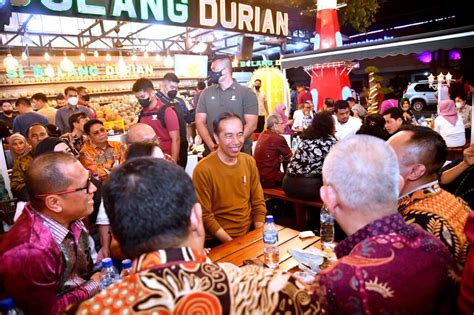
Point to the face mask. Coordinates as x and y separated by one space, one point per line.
7 112
257 87
172 94
73 100
215 76
458 105
145 102
86 98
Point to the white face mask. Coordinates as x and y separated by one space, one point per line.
458 104
73 100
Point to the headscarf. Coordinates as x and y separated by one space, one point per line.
48 145
17 136
388 104
280 111
447 110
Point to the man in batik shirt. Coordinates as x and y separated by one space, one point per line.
171 273
45 261
421 153
99 155
76 138
385 266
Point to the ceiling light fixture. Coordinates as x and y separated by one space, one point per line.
145 54
49 71
47 57
66 64
82 57
107 57
9 62
96 53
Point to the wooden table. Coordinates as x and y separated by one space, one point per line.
250 246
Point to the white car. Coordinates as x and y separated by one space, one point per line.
421 95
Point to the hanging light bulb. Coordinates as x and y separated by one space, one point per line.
49 71
134 57
107 57
82 57
24 55
96 53
46 56
66 64
169 62
10 63
122 66
158 57
145 54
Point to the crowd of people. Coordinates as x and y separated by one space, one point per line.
406 213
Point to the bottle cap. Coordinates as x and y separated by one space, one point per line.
126 263
269 219
7 304
107 262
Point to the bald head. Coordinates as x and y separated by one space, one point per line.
141 133
48 173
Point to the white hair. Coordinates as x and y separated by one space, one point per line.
365 173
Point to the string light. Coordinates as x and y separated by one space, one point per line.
66 64
10 63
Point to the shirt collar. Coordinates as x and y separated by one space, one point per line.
58 231
430 184
385 225
169 255
231 87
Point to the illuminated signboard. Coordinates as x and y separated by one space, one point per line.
256 63
215 14
41 71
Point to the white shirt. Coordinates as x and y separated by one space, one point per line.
347 129
298 119
454 136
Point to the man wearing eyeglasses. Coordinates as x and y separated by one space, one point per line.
99 155
45 258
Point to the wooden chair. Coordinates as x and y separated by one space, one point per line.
300 212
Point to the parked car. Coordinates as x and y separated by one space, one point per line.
421 95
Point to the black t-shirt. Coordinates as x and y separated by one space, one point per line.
463 185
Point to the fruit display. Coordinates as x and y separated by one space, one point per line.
124 107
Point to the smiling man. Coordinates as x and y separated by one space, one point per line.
45 257
227 185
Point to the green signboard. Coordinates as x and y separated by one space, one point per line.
214 14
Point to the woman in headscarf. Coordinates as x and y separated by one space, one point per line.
450 125
388 104
21 154
280 110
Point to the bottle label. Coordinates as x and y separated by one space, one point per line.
326 218
270 237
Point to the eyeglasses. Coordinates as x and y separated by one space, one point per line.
86 188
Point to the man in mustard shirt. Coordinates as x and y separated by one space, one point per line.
228 186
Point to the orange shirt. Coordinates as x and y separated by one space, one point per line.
101 161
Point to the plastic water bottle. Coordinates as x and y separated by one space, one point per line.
109 274
126 268
326 228
294 143
7 307
270 242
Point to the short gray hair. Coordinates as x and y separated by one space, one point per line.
365 173
272 120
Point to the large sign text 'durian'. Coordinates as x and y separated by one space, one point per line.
216 14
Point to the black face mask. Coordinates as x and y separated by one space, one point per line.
7 112
86 98
215 76
257 87
172 94
145 102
